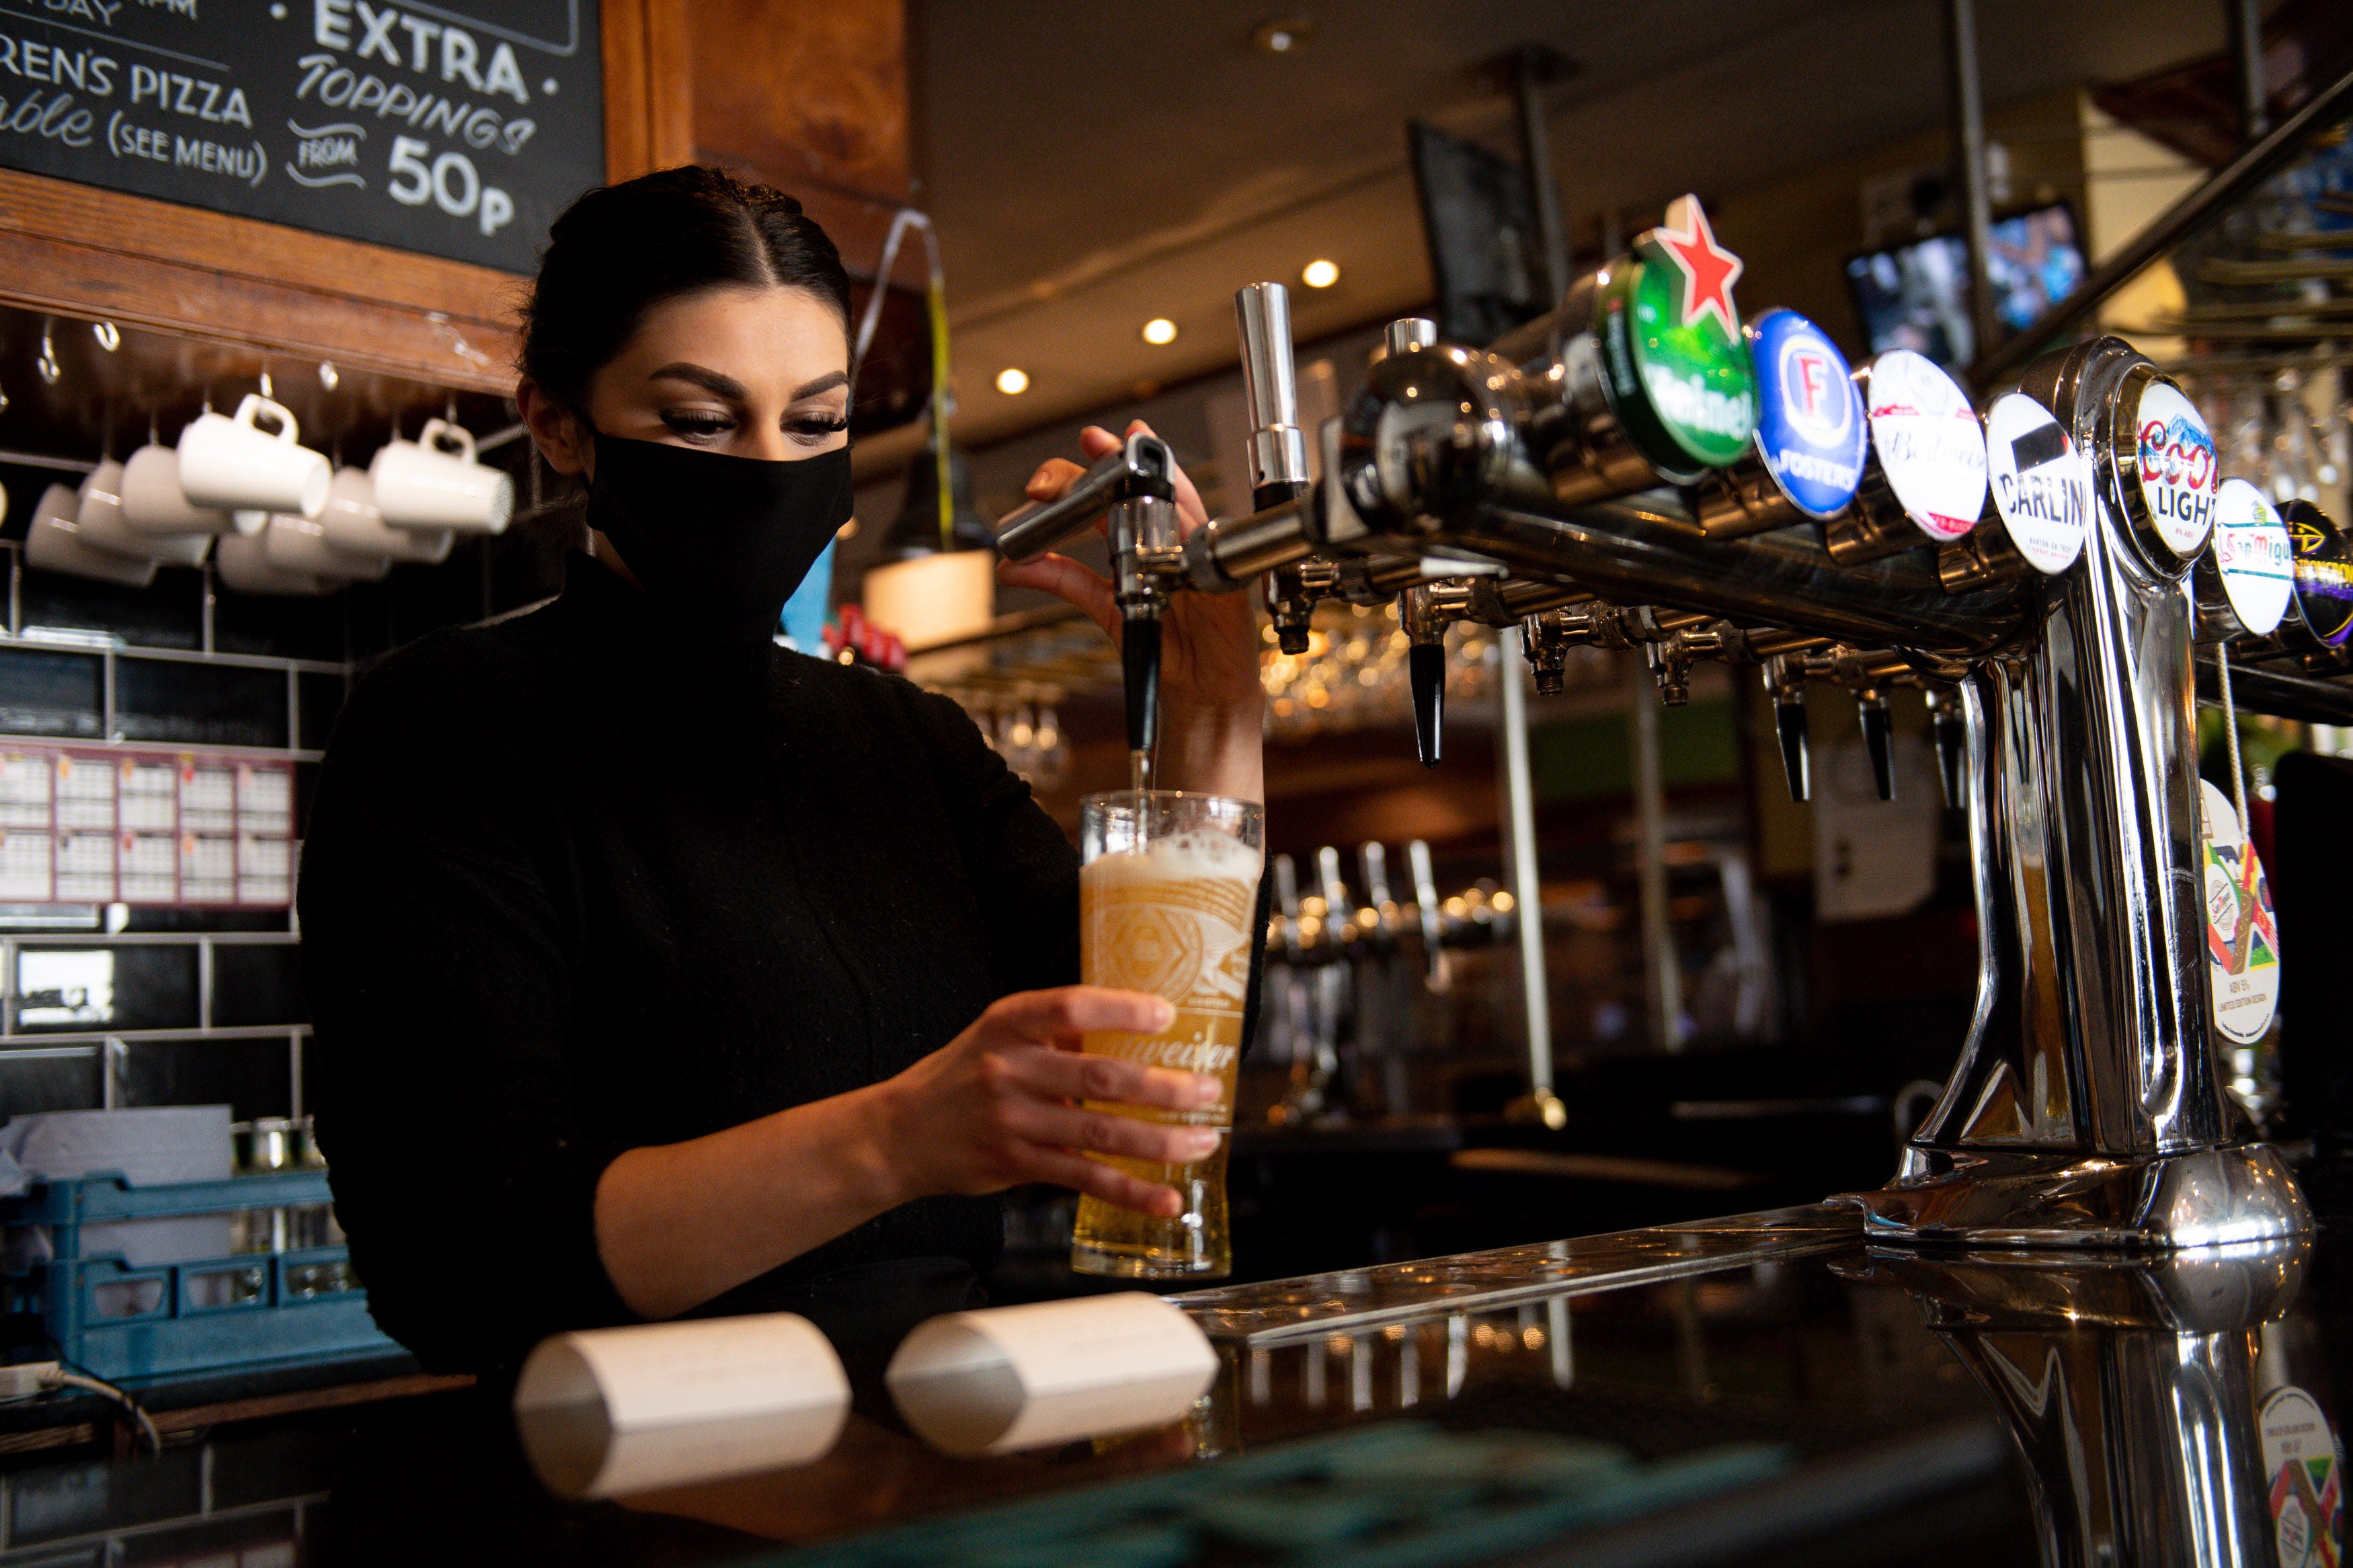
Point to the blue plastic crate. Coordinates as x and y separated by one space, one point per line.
246 1311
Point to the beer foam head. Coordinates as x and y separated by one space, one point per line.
1179 856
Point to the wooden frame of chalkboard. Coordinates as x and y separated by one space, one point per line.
83 251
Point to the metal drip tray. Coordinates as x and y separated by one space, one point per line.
1352 1299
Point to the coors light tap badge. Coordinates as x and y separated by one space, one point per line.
1679 374
2179 477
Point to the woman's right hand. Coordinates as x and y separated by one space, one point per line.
996 1107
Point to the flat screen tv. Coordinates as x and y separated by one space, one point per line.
1485 255
1916 296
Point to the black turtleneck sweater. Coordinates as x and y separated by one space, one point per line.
586 880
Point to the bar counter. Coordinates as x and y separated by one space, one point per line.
1762 1389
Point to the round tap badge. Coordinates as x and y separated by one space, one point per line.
1809 415
1928 441
1678 369
2324 578
2180 476
2252 553
2241 935
2302 1471
2041 485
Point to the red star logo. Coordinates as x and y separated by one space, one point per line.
1709 271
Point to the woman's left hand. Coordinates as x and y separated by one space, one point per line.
1212 707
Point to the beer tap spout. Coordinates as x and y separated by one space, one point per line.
1785 681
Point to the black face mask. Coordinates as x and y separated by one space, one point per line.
722 540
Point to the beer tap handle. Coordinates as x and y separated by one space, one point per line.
1278 450
1374 861
1878 739
1141 467
1788 692
1286 899
1339 908
1951 730
1425 903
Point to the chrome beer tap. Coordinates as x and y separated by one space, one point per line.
1132 491
1278 452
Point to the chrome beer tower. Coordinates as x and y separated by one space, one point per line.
1514 486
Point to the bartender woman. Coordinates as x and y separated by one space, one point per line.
656 970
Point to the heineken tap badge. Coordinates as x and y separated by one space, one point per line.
1679 372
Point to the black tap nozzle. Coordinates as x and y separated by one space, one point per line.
1425 669
1952 750
1139 654
1790 725
1879 739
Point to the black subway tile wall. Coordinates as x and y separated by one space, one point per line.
52 695
67 1077
252 1075
257 985
197 1002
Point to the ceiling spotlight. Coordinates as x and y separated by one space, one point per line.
1159 330
1012 381
1319 274
1282 35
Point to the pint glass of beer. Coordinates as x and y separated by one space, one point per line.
1167 898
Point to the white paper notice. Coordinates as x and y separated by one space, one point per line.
24 866
25 791
207 799
619 1410
85 792
148 797
1022 1377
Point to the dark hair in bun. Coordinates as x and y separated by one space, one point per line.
621 250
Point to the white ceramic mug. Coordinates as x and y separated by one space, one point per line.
353 524
242 564
230 462
54 544
153 502
300 545
103 524
434 482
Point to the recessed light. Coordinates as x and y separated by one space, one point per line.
1012 381
1320 273
1282 35
1159 330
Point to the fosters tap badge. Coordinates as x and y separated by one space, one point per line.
1678 371
1810 426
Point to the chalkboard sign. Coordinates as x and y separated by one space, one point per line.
455 129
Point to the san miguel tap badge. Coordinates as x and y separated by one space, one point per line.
1679 374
